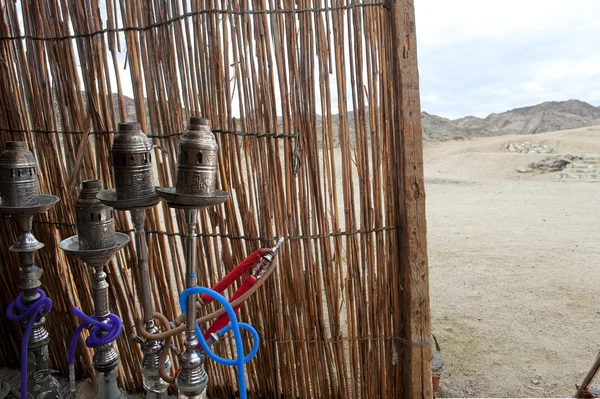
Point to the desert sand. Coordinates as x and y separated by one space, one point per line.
514 267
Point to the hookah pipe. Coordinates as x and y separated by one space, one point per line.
95 244
41 307
250 285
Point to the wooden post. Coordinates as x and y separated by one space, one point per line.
413 323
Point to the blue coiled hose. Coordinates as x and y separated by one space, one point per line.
236 326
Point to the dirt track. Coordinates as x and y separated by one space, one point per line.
514 267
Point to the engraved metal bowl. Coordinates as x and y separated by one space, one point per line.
191 201
109 198
93 256
41 205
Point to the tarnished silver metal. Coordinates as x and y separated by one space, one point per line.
134 191
195 189
192 379
190 201
132 162
20 198
93 216
109 197
106 358
95 223
263 264
155 386
94 256
18 175
197 159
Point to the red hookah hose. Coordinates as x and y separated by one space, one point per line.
234 275
223 320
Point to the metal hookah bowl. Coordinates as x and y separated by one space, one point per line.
18 175
95 223
197 159
132 163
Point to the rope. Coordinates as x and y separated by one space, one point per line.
30 312
192 14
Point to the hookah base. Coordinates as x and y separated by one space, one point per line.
107 386
183 395
40 383
43 385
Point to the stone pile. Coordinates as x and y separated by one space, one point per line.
528 148
585 167
554 164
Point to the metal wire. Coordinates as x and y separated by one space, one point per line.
153 136
192 14
231 237
342 339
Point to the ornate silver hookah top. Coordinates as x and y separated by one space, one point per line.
132 167
196 169
19 192
96 241
18 175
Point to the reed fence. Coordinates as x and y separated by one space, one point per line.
316 110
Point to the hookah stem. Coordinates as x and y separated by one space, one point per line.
32 303
191 279
139 216
100 294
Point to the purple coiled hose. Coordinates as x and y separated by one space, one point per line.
101 333
30 312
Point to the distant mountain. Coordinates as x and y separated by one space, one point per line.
544 117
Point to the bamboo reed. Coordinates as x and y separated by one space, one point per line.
323 76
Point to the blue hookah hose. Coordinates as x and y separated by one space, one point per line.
30 312
235 326
101 333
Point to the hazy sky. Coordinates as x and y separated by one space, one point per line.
482 56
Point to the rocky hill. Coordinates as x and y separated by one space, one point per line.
544 117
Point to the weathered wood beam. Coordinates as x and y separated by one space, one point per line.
413 323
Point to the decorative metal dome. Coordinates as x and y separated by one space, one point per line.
18 175
197 159
132 162
95 223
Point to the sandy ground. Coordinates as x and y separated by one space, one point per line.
514 267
